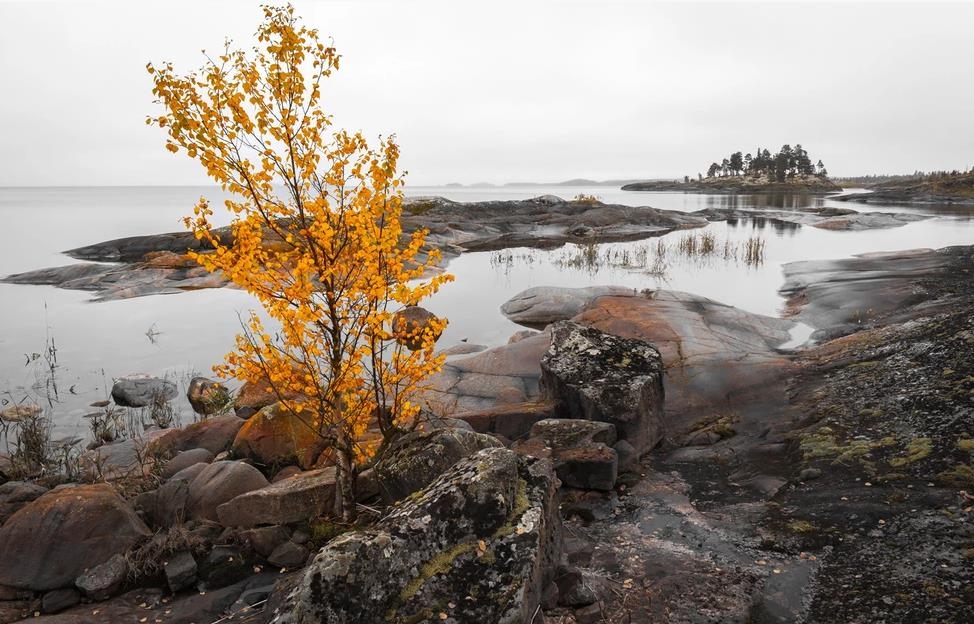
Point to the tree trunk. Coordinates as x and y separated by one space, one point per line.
344 480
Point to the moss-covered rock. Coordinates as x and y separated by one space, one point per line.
593 375
478 545
416 459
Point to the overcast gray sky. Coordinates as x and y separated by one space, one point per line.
527 91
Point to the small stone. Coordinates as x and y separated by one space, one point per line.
104 580
180 571
810 474
263 540
289 555
59 600
411 323
223 566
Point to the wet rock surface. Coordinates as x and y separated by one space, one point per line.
838 297
542 305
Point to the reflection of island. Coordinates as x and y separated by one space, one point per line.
790 170
781 228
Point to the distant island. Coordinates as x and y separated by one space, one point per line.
937 187
789 170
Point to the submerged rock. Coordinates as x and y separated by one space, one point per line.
54 539
487 529
592 375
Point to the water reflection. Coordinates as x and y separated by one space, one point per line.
780 228
765 201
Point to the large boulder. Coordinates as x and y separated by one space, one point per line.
218 483
303 496
716 358
413 461
142 390
275 436
487 528
54 539
592 375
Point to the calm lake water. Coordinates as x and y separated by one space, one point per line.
179 335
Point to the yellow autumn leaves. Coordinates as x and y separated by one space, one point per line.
316 236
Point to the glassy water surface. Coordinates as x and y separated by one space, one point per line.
179 335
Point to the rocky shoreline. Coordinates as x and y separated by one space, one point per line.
907 197
157 264
822 485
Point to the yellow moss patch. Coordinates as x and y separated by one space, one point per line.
917 449
801 526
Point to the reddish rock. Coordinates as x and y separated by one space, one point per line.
276 437
16 494
578 449
254 396
54 539
213 434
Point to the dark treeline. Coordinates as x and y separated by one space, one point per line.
915 177
787 163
